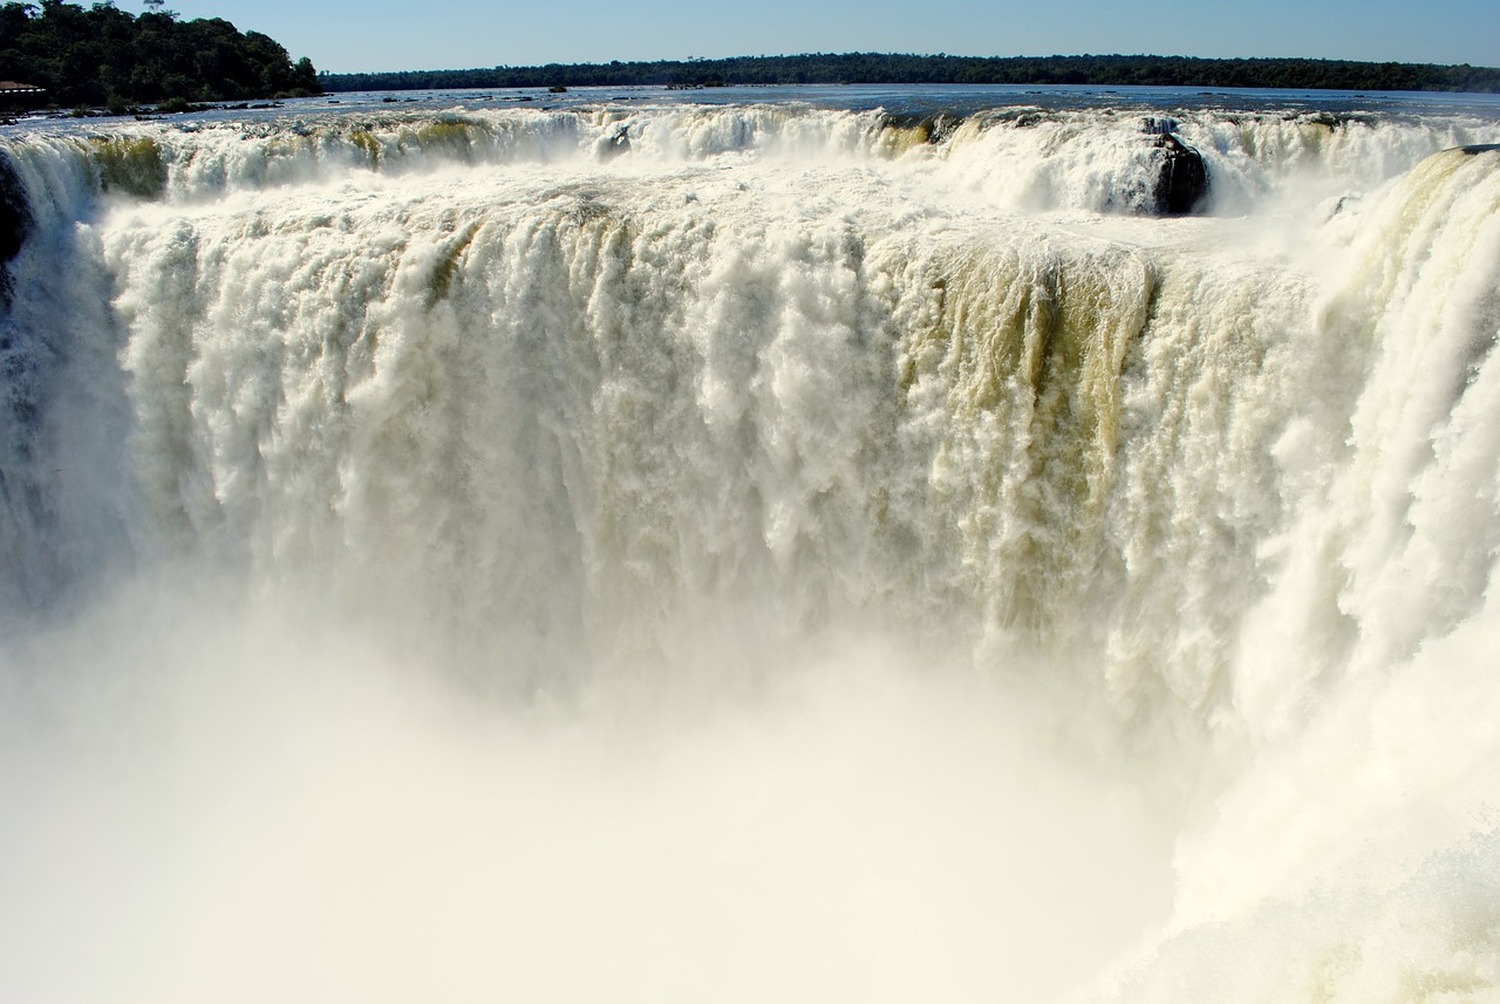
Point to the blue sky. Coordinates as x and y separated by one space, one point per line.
453 34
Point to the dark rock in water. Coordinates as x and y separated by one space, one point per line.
15 223
1479 148
619 144
15 211
941 127
1181 177
1329 120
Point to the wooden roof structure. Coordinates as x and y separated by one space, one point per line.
15 96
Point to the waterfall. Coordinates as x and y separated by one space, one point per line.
811 553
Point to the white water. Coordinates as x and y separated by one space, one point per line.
789 560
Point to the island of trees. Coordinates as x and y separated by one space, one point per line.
105 57
889 68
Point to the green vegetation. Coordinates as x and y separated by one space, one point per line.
102 56
885 68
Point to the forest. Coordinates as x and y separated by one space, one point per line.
889 68
101 56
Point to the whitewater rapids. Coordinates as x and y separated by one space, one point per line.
749 552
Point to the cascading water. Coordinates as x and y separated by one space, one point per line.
749 552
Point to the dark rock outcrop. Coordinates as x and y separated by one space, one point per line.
618 145
15 223
1181 178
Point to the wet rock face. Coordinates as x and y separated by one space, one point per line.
15 223
1181 176
15 214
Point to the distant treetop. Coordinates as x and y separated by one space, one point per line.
891 68
101 55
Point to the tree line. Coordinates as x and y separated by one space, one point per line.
103 56
890 68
